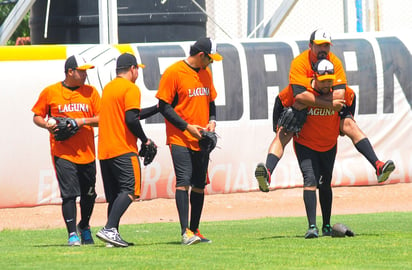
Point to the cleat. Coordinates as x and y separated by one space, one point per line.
262 175
202 238
111 236
189 238
73 240
85 235
109 245
312 232
327 230
384 170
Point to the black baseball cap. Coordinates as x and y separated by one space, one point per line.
126 60
76 62
207 45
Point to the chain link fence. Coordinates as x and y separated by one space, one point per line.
229 18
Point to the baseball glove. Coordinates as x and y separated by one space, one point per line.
292 120
148 152
208 141
341 230
65 128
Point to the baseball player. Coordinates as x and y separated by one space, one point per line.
300 77
315 147
186 99
119 129
73 158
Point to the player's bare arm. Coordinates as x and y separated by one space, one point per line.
91 121
307 98
40 122
339 93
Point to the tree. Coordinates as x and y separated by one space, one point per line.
23 30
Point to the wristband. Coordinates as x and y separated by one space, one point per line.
84 121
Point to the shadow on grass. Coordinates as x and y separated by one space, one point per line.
280 237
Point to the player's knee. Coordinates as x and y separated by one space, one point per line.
68 200
309 182
324 186
352 130
348 127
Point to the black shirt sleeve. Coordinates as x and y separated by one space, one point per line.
147 112
339 86
170 114
212 111
133 123
298 89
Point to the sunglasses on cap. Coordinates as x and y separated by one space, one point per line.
325 72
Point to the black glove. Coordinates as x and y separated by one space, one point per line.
292 120
65 128
148 152
208 141
341 230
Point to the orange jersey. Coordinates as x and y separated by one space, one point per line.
349 96
115 138
195 90
84 102
301 72
286 96
321 129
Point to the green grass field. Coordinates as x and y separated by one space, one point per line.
382 241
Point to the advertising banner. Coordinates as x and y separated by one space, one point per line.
378 68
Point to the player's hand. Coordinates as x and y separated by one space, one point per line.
211 126
194 130
338 104
51 127
283 132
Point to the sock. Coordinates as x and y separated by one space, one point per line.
271 162
69 214
325 199
86 209
182 204
309 197
365 148
120 205
196 203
